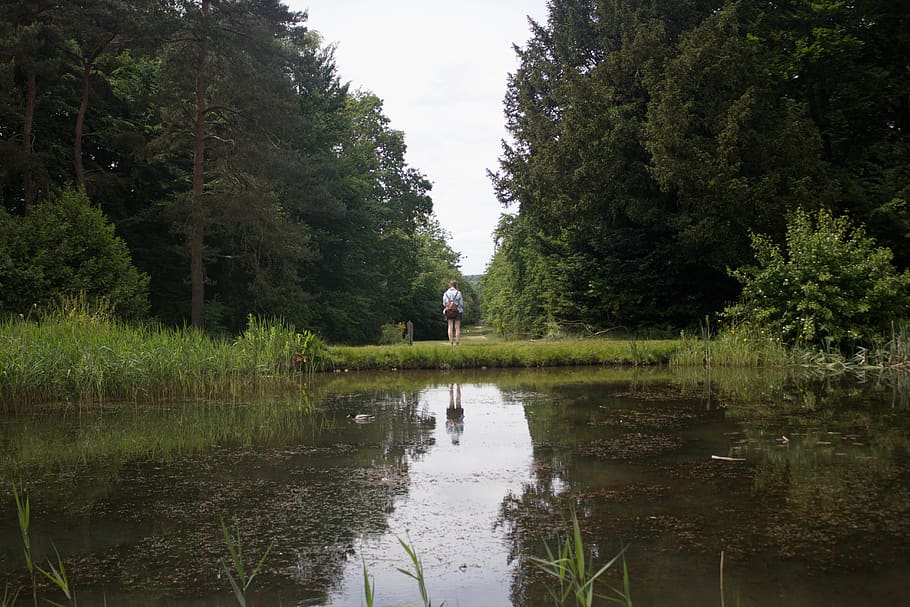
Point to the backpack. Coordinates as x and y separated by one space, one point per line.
451 309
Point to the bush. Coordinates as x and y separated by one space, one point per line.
831 284
67 247
392 333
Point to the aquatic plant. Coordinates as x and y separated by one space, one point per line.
723 345
417 574
55 572
9 597
368 587
238 575
23 509
572 567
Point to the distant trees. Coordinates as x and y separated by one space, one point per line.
216 136
650 139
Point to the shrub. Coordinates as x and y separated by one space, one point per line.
392 333
64 248
830 284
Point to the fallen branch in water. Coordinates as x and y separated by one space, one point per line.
728 459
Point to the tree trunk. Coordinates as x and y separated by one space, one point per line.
197 219
28 182
78 169
87 66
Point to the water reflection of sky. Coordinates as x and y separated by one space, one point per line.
448 514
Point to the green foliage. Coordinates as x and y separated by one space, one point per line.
23 509
369 589
66 247
417 573
56 574
649 140
308 210
731 346
831 284
272 347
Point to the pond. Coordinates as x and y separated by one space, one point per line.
782 488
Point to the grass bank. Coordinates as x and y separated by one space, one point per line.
480 353
79 355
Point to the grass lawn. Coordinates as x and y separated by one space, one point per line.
479 348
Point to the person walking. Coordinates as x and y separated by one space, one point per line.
453 309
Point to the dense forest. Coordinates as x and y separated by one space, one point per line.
659 147
198 161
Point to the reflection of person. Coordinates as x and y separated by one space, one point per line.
453 295
455 414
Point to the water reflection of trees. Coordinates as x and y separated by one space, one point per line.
824 481
132 497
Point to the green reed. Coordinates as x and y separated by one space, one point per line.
238 572
730 347
722 345
572 567
80 356
416 573
55 571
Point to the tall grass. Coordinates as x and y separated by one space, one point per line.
744 346
729 347
81 355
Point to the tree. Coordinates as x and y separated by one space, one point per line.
578 170
238 64
830 284
30 48
734 152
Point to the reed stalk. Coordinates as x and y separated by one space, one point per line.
23 510
572 567
417 574
239 576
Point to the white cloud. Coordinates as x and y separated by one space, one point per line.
440 69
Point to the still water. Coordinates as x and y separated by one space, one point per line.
800 481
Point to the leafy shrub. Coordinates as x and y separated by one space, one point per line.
67 247
831 284
392 333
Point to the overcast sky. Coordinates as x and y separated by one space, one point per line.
440 69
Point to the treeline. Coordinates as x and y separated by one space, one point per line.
210 145
657 145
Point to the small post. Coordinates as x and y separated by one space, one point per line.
410 333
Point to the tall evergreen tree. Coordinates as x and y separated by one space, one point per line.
230 96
